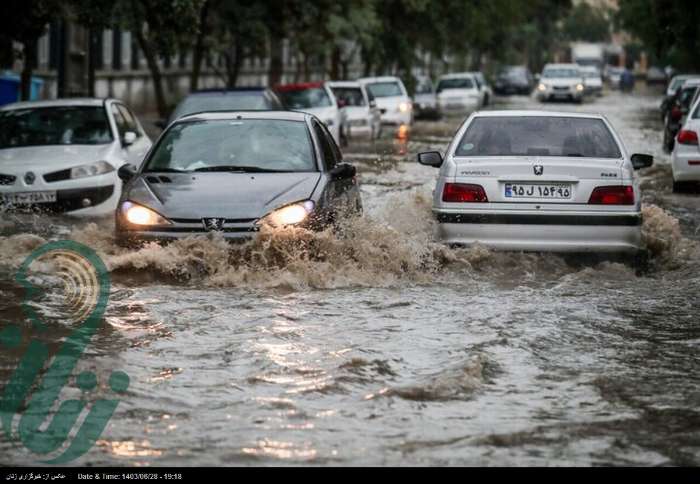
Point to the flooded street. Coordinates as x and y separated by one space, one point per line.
377 346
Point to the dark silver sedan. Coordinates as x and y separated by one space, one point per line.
234 172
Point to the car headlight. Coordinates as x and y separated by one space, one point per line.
405 107
293 214
140 215
94 169
542 87
579 87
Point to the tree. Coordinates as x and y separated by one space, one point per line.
588 24
26 24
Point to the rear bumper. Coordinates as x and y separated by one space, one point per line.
686 166
614 233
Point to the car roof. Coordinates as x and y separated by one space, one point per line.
533 113
344 84
692 82
233 91
458 75
56 103
223 115
367 80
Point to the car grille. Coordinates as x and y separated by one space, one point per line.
561 88
57 176
7 179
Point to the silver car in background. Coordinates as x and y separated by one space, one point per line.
538 181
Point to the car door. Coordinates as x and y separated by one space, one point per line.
339 193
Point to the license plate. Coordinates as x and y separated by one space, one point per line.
24 198
553 191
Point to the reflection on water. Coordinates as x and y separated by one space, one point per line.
374 345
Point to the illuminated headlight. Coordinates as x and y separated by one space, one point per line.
290 215
140 215
579 87
95 169
542 87
405 107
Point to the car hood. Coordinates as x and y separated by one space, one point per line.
224 195
44 159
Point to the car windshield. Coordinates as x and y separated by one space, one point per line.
59 125
538 136
459 83
244 101
352 96
424 87
561 73
315 97
385 89
235 145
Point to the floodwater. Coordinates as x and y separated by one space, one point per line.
378 346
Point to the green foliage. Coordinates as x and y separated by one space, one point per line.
585 23
668 28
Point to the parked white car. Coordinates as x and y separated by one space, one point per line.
392 99
63 155
318 99
592 80
685 159
362 116
425 100
459 93
561 81
538 181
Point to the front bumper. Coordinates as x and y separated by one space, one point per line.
594 232
233 230
554 95
70 200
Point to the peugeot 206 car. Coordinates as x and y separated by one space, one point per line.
538 181
233 173
63 155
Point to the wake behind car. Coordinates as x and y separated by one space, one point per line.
63 155
538 181
233 173
561 82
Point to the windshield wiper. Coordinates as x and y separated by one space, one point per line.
239 169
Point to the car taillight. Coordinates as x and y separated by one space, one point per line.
676 113
464 193
612 195
687 137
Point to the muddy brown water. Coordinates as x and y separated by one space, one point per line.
378 346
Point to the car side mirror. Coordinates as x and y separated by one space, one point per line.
430 158
127 172
343 171
642 161
129 138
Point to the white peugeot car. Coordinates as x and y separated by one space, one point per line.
561 82
685 160
362 116
459 93
392 99
63 155
538 181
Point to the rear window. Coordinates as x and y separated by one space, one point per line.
538 136
464 83
352 96
315 97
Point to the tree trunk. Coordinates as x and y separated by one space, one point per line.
30 46
198 54
234 60
151 60
336 63
276 70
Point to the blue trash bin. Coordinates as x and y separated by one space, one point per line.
10 88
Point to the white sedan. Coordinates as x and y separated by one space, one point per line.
685 160
63 155
392 99
538 181
459 93
362 116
